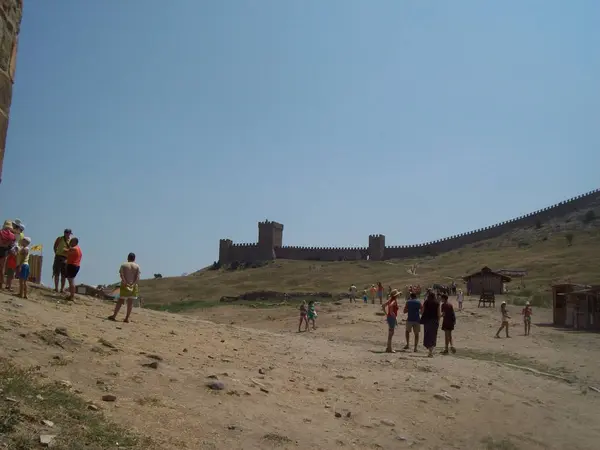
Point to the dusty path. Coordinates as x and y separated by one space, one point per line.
385 401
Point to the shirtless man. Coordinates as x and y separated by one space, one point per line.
130 277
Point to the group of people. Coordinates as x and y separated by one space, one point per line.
67 262
434 309
14 256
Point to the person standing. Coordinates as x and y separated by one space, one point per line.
527 318
129 290
7 242
431 322
73 252
23 266
414 309
460 297
390 309
59 267
448 323
353 294
380 292
505 318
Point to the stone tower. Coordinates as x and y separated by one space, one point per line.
10 21
224 247
376 247
270 235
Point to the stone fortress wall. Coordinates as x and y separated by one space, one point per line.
10 21
269 245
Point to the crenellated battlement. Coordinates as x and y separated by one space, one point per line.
270 241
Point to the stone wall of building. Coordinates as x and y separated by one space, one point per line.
271 238
11 12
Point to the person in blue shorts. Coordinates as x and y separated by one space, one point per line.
413 308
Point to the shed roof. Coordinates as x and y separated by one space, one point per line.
513 272
487 271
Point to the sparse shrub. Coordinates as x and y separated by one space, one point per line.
234 265
215 265
589 217
569 237
157 276
538 224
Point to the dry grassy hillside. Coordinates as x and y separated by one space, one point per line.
544 251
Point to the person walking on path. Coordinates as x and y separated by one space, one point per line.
390 309
73 252
505 318
431 322
459 298
59 267
352 294
414 309
380 292
448 323
129 290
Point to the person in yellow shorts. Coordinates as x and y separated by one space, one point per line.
129 290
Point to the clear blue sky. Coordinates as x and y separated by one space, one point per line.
161 127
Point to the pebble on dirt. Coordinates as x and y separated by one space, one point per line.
216 385
47 439
62 331
109 398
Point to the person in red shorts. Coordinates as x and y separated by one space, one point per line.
390 308
74 254
11 267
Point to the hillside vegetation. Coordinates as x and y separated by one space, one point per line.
562 249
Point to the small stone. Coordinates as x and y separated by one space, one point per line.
39 397
489 383
261 371
455 386
155 357
106 343
48 423
47 439
321 389
11 399
152 365
65 383
62 331
266 391
213 377
232 427
92 407
327 406
109 398
222 340
225 360
216 385
388 423
185 350
442 396
348 414
337 414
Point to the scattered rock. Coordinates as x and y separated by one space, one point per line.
222 340
92 407
261 371
152 365
232 427
388 423
47 439
443 396
348 414
109 398
262 389
185 350
225 360
455 386
62 331
155 357
321 389
11 399
327 406
106 343
213 377
48 423
216 385
65 383
337 414
39 397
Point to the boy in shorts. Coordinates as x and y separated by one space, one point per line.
413 308
129 290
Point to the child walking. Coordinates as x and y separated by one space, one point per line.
11 267
23 266
460 297
527 318
312 314
365 297
505 318
448 323
303 316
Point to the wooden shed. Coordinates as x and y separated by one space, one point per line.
486 280
559 302
583 308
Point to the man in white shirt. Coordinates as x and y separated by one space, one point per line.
352 294
129 290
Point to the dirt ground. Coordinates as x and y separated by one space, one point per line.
331 388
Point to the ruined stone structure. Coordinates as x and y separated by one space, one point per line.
270 239
10 22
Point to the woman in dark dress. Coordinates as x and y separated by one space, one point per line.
431 322
448 322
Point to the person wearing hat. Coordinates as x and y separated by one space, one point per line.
59 267
7 242
413 308
23 266
505 318
527 318
390 308
18 230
